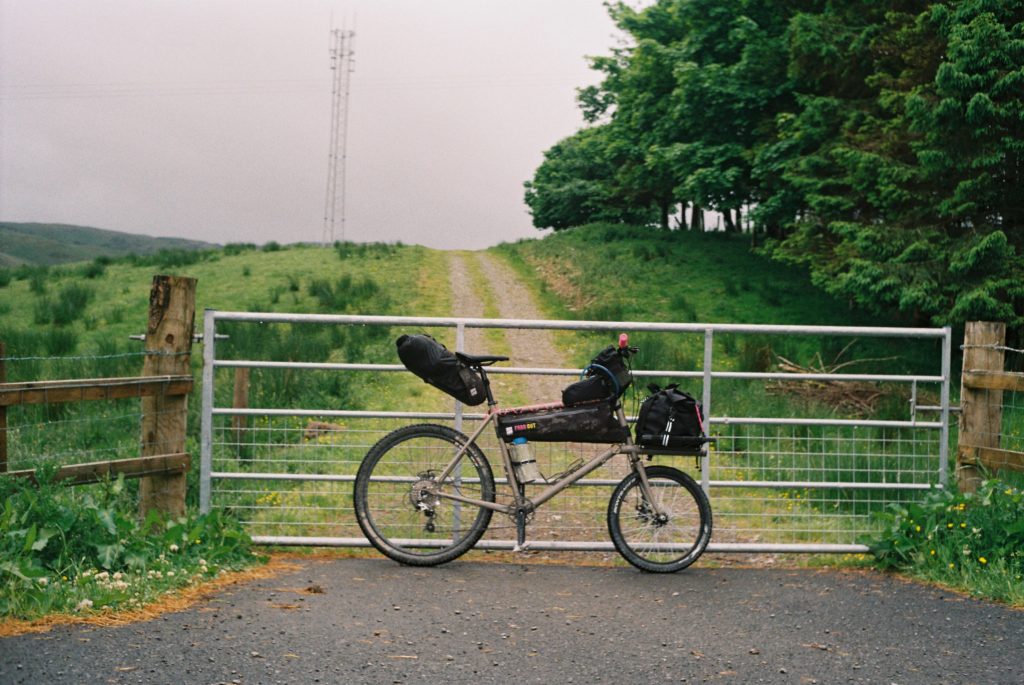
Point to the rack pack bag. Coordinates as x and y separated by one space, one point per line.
606 377
431 361
594 422
670 422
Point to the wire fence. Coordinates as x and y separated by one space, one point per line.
65 433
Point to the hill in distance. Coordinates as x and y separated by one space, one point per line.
46 244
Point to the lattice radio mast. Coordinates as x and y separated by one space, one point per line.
342 65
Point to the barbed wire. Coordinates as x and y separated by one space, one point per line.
144 353
1001 348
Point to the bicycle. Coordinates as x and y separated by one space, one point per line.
418 503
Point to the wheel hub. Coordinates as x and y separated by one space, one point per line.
423 497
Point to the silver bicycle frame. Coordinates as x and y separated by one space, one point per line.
627 447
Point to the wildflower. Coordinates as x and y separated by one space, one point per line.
933 552
917 528
84 604
202 562
982 560
170 574
174 548
43 582
963 525
951 564
103 575
118 575
949 525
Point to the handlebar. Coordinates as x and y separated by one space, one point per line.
624 349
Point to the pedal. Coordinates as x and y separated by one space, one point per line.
520 531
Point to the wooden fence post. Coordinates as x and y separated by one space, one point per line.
3 412
172 309
981 418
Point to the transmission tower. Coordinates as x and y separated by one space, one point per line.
342 65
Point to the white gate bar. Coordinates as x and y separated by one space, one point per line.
206 429
451 322
595 546
533 371
598 482
724 420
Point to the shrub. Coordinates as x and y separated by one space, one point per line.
95 268
6 276
343 293
37 280
57 342
232 249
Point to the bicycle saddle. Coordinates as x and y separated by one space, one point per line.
480 359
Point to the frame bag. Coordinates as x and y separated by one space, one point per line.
670 422
595 422
431 361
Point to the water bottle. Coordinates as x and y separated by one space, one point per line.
524 461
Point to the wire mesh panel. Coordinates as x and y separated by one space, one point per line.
791 469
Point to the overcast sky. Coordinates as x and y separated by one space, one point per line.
210 119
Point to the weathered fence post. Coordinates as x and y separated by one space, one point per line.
3 413
981 419
172 309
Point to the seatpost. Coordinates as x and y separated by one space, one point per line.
491 402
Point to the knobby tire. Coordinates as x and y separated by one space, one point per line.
395 511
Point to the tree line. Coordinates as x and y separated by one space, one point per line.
880 144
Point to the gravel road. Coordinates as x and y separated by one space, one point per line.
372 621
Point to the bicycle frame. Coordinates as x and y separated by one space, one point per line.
553 488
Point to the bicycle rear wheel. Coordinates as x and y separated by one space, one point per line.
396 501
666 543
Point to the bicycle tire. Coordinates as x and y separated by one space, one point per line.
395 510
653 545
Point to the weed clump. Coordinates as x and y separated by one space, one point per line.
81 550
974 541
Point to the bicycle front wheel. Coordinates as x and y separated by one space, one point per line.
666 533
400 504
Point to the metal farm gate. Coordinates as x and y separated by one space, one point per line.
794 469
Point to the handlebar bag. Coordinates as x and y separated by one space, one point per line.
670 422
606 377
431 361
595 422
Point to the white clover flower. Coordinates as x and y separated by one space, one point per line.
118 576
43 582
174 548
84 604
103 575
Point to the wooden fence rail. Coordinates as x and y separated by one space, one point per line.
99 471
